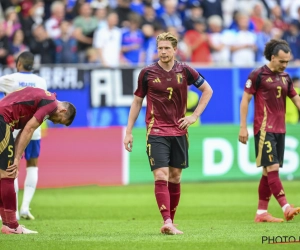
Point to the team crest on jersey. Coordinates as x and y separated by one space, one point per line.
248 83
283 80
179 78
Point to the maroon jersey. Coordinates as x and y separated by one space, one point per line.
166 96
20 106
270 91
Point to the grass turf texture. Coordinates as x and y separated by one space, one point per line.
212 216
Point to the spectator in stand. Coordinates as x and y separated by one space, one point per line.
182 52
11 23
243 43
277 19
137 6
264 36
171 17
219 40
234 25
17 46
107 41
195 12
150 46
123 11
4 45
257 17
291 8
42 46
298 18
149 16
98 4
211 7
101 15
292 36
92 56
132 41
35 17
52 25
85 24
66 45
6 4
197 41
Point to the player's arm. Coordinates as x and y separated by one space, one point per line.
296 101
21 142
243 135
207 92
133 115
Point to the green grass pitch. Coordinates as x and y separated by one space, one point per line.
212 216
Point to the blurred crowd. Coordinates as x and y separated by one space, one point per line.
112 33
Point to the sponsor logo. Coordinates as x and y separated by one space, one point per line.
269 80
156 80
163 207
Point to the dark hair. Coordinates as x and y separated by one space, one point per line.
27 59
274 46
71 112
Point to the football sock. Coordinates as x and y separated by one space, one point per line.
163 198
2 214
29 187
285 206
276 187
264 194
16 185
8 196
174 190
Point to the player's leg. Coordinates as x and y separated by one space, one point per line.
8 195
264 157
178 161
31 155
158 151
289 211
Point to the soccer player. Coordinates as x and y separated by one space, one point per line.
24 109
166 84
8 84
270 86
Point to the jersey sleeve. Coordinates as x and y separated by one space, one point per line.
142 87
46 107
7 84
250 86
291 91
193 76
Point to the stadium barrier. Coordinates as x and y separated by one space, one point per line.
103 96
95 156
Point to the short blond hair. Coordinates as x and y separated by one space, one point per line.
167 36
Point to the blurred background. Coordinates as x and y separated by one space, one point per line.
91 52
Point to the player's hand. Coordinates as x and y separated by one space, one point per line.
14 168
128 142
185 122
243 135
